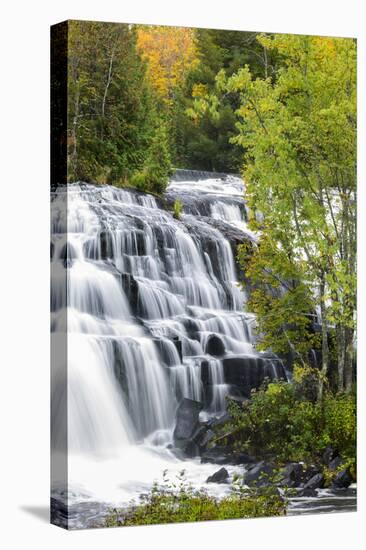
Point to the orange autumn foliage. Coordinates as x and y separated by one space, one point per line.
170 53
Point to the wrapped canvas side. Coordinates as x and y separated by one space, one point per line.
59 447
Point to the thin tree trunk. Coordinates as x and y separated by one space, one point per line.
265 62
349 256
349 356
109 79
74 154
325 346
341 346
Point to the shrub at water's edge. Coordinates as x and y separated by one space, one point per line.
281 422
179 503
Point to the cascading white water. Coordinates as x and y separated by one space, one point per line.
142 297
103 418
228 212
98 420
219 389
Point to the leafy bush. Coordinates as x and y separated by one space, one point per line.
306 383
138 180
279 423
339 424
181 503
177 209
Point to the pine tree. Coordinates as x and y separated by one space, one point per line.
111 106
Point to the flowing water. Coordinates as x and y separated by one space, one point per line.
145 299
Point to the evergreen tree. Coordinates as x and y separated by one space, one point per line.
156 170
111 111
206 140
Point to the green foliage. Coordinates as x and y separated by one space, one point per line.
112 112
138 180
179 502
177 209
297 129
282 108
305 382
155 172
206 142
339 413
158 164
154 176
300 135
280 298
279 422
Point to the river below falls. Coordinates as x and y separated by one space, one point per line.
103 485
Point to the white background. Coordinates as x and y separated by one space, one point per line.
24 272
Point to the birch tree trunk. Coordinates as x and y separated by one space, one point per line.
325 345
74 137
349 357
341 353
108 83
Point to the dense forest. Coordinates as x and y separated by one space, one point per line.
132 91
280 110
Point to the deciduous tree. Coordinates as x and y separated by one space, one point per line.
298 131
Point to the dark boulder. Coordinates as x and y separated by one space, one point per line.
245 372
259 474
310 472
292 475
241 458
225 455
191 325
219 421
203 435
342 480
207 438
335 463
216 455
221 476
215 346
329 454
187 419
315 482
212 249
188 448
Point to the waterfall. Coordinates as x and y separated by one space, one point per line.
152 310
102 334
98 420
